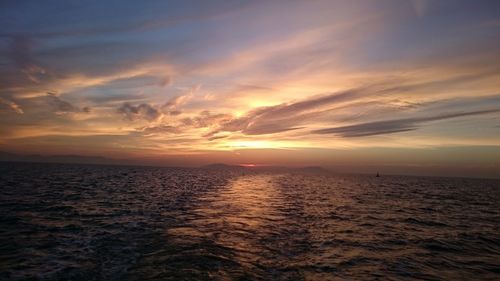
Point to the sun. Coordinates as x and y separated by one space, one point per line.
249 165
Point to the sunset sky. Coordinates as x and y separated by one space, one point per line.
399 86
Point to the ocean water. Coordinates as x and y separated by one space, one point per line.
84 222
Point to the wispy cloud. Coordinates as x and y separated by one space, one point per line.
12 105
393 126
20 49
206 119
61 106
173 105
283 117
160 129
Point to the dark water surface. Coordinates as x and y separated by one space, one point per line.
77 222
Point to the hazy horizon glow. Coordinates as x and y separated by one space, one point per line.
409 85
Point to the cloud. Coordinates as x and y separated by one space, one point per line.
20 49
283 117
165 81
138 81
180 100
161 129
345 106
142 111
217 137
268 129
175 112
206 119
393 126
150 113
284 110
61 106
175 102
12 105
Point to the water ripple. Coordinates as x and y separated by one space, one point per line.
77 222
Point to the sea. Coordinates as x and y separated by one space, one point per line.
91 222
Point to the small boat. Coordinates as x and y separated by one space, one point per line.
378 175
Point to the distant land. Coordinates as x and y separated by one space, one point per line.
63 159
97 160
307 169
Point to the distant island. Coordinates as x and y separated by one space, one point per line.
63 159
98 160
306 169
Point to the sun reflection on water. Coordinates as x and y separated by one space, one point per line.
235 215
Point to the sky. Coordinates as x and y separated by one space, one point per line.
400 86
